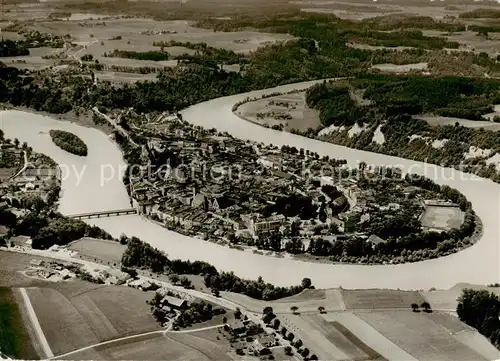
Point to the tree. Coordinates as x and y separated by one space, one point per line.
283 331
298 344
267 309
321 309
155 301
294 309
237 313
313 357
288 351
306 283
290 337
224 320
215 291
268 317
276 323
174 278
305 352
414 307
185 282
475 306
426 306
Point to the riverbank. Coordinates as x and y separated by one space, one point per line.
482 258
84 118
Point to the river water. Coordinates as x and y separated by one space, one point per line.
99 187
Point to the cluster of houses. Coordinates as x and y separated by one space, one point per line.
261 342
49 271
216 187
26 175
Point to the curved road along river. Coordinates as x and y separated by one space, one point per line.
99 187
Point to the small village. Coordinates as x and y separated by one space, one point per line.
252 196
25 177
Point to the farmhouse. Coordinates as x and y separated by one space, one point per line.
36 262
238 327
374 240
174 302
263 342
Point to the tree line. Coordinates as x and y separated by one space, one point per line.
13 48
481 309
141 255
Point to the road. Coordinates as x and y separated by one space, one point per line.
36 325
25 165
64 256
115 125
195 330
106 343
130 338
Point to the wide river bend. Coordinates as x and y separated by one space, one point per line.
94 183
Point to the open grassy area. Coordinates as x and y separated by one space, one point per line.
14 338
419 335
288 110
172 346
103 250
379 299
78 314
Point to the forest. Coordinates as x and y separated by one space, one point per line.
481 309
484 13
203 51
389 95
48 229
458 97
395 105
146 55
69 142
13 48
320 51
410 38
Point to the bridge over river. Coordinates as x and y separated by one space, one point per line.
114 212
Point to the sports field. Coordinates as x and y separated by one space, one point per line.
445 218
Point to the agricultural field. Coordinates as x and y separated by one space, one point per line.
156 346
425 337
122 77
439 120
358 9
97 37
380 299
444 218
340 336
306 301
102 250
15 340
288 110
75 315
328 338
398 69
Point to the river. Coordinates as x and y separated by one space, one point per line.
100 188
